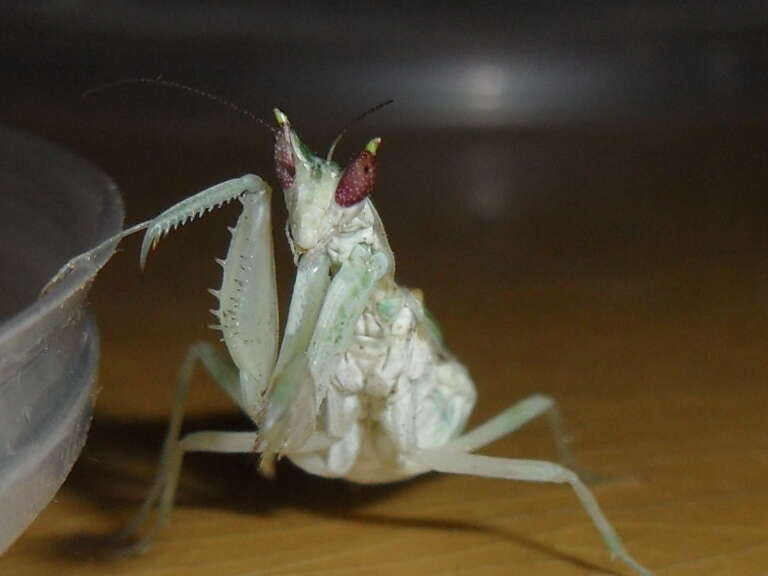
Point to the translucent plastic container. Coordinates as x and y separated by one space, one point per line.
53 205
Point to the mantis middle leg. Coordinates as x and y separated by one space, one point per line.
163 490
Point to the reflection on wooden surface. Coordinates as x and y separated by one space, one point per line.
623 273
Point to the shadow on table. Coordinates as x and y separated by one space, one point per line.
118 465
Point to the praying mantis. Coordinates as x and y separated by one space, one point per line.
362 386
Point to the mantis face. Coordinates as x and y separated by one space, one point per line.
318 194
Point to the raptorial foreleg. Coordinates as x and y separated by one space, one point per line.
197 205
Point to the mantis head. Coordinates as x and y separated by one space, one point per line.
318 194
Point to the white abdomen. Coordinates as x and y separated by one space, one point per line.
394 390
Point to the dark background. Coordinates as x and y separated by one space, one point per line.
497 64
621 124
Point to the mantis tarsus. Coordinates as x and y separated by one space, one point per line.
362 386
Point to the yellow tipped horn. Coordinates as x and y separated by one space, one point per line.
280 117
373 146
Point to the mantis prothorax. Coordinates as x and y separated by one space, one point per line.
362 386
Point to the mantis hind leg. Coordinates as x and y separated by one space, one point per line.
455 462
514 418
163 490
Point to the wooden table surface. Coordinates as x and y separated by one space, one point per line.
623 272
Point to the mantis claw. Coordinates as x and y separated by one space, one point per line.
194 207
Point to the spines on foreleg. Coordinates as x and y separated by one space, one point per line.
195 206
247 308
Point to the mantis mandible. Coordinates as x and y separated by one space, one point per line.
361 386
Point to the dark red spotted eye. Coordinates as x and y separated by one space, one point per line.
359 177
285 159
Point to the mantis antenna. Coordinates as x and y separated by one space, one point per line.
354 121
160 81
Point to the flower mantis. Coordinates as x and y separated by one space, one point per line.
361 386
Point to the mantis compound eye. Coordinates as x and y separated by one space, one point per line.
285 159
359 177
